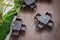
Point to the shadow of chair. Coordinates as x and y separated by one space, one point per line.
27 9
44 29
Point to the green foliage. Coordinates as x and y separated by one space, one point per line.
17 5
10 13
6 20
2 4
5 26
4 29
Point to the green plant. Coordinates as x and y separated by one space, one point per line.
3 6
6 20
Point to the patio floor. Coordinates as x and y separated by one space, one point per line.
28 19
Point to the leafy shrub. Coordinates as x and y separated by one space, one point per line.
6 20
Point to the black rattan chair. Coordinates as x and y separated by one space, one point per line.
35 18
50 23
37 15
48 14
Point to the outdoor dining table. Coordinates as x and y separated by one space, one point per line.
28 2
16 25
44 19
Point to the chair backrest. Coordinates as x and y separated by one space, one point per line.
40 25
38 14
23 27
48 14
51 23
17 19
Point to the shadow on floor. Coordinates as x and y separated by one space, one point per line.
16 37
46 29
28 10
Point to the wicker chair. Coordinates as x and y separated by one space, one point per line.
35 18
48 14
50 23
